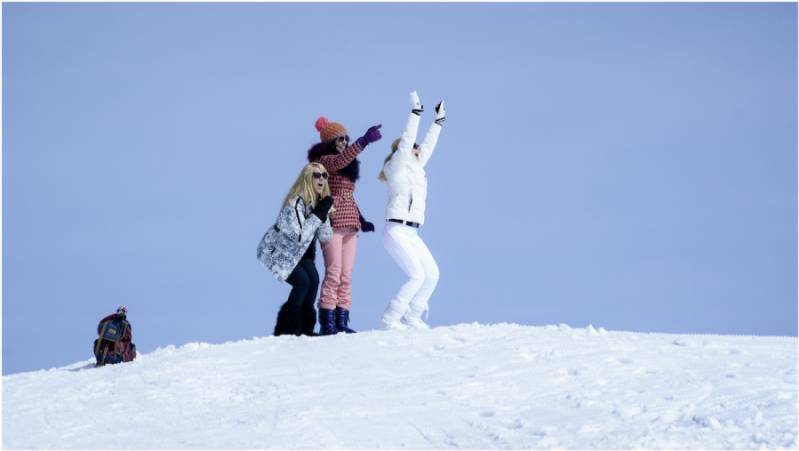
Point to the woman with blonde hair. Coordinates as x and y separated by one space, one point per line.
403 171
288 248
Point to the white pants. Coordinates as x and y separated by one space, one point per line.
414 258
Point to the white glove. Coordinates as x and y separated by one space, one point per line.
441 115
416 104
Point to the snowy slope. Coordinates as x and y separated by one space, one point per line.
466 386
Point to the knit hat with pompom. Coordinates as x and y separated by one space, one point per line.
328 131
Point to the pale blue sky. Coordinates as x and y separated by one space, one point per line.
630 166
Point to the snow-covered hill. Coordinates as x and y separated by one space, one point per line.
465 386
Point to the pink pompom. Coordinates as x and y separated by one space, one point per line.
321 123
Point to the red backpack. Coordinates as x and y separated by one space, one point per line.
114 342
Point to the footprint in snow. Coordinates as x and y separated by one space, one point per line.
627 411
682 342
589 428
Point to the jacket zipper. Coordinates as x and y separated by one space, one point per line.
410 203
299 239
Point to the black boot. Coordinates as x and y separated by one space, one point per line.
342 318
288 321
280 324
308 321
327 322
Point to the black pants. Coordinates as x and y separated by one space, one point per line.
297 316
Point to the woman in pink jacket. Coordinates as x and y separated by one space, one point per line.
340 159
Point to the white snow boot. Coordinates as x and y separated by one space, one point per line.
413 318
414 322
393 315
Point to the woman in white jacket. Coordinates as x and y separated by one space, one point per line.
404 173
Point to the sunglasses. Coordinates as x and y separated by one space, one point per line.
317 175
343 138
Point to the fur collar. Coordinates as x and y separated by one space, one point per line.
352 171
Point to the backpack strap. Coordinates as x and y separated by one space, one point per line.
102 357
100 336
101 344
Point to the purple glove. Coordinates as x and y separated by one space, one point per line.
366 226
371 135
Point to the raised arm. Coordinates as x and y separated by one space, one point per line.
427 146
337 162
408 137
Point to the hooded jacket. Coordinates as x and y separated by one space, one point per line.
405 174
284 244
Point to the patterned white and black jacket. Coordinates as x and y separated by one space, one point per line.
286 241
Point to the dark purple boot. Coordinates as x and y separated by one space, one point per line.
342 319
327 322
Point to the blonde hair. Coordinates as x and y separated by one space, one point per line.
394 147
303 186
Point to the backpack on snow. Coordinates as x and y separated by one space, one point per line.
114 342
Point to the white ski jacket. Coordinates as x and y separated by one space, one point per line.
405 175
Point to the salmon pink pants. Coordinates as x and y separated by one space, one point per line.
339 260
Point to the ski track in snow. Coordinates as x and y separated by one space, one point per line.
470 386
